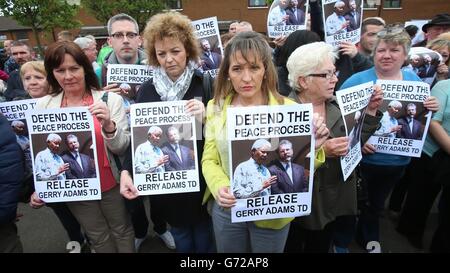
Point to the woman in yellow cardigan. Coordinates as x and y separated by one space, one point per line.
247 77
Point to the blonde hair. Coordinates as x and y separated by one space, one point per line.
170 25
34 65
248 44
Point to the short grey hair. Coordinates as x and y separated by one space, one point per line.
154 129
306 59
53 137
71 136
14 123
395 104
121 17
258 144
83 42
285 142
339 3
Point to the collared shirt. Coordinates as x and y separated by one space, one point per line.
288 167
77 157
248 179
146 158
177 150
47 165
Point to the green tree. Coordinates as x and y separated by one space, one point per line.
140 10
42 15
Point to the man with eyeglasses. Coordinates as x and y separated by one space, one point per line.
124 38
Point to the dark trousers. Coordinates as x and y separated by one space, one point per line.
441 237
9 240
379 180
420 198
196 238
69 222
301 240
139 218
402 186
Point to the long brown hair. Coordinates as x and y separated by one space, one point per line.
247 43
54 57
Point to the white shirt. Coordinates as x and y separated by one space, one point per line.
248 180
47 165
334 24
146 158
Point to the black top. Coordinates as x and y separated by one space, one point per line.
180 209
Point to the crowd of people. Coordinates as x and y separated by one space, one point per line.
300 69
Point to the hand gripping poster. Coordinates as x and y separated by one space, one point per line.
353 104
286 16
342 21
271 161
405 121
164 148
64 154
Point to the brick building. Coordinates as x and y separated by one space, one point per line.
254 11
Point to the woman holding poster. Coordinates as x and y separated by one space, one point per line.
73 84
312 76
173 49
247 77
382 171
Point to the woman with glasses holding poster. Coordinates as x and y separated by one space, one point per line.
382 171
173 51
247 77
73 84
312 76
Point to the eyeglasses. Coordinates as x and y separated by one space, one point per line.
120 35
329 75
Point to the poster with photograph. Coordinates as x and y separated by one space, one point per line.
208 35
63 150
353 103
164 148
342 21
15 111
128 77
271 161
424 62
286 16
405 121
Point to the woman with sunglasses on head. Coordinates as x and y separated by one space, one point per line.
247 77
382 171
312 76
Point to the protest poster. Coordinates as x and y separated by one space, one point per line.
129 77
164 148
208 36
353 103
342 21
405 121
271 174
286 16
15 111
63 150
424 62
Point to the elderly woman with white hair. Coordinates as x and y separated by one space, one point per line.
312 76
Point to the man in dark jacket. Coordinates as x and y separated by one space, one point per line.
11 171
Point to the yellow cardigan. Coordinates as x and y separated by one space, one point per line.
215 155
